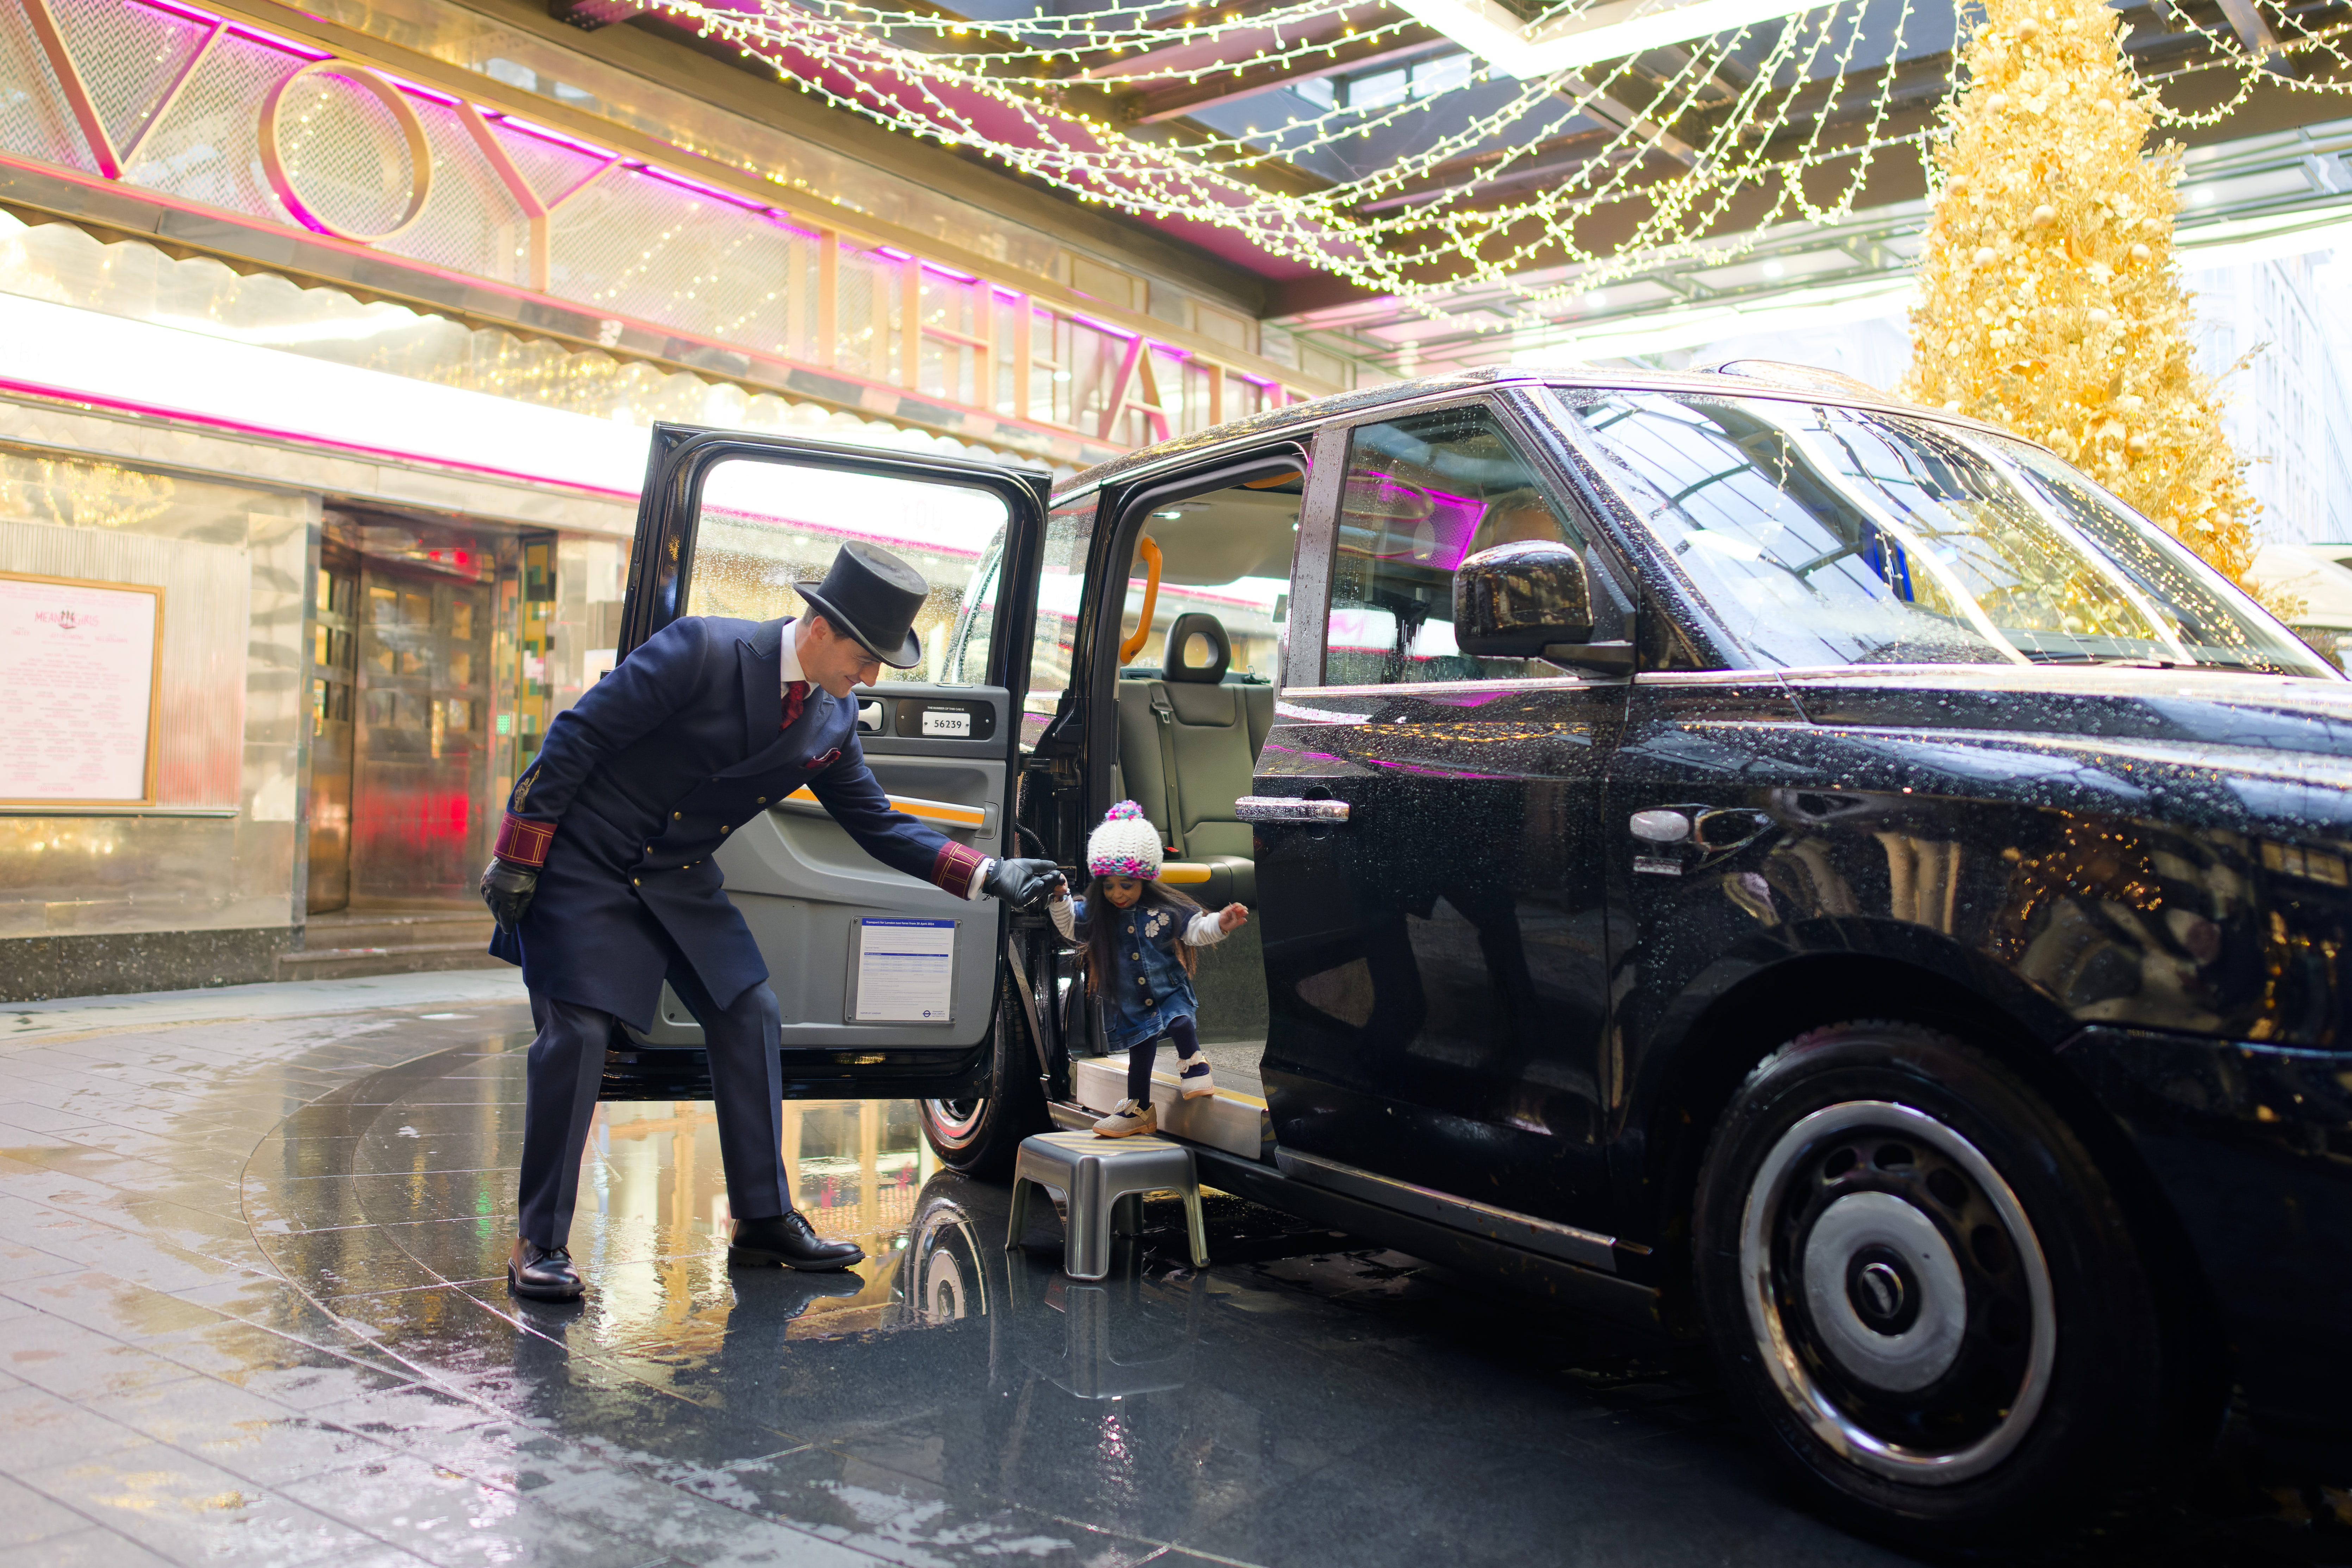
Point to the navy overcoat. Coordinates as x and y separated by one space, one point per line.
638 784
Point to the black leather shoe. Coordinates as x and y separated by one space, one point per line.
542 1273
788 1239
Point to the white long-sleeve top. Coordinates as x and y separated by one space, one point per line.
1204 929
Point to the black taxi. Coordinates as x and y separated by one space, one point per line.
1728 850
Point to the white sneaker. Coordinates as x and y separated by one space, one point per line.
1128 1120
1194 1078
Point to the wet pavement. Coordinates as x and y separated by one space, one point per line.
253 1311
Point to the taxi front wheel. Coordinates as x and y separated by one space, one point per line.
1921 1288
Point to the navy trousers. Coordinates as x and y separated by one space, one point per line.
567 1062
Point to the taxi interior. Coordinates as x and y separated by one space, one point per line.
1199 666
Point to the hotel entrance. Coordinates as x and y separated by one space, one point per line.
429 689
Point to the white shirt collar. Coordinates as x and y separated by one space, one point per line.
792 649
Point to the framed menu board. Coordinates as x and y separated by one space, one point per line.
79 665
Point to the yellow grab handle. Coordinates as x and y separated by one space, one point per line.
1183 871
1150 550
946 812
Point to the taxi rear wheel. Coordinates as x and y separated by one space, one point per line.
980 1134
1921 1287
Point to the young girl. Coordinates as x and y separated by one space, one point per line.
1138 939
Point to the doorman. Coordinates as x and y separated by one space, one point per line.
603 883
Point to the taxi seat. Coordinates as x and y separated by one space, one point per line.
1187 745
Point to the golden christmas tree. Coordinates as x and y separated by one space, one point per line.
2048 299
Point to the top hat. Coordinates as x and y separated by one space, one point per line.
873 595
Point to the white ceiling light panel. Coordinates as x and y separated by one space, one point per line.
1604 32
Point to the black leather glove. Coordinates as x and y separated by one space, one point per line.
1021 882
508 890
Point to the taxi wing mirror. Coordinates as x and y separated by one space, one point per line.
1516 600
1532 599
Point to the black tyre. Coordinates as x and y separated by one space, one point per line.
1921 1287
979 1136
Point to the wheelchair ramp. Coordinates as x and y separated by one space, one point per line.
1233 1120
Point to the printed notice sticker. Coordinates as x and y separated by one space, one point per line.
947 723
906 971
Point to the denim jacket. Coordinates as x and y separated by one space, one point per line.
1151 990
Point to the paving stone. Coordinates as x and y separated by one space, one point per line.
274 1365
75 1363
27 1516
428 1421
89 1547
147 1259
31 1117
257 1439
189 1510
116 1307
272 1304
454 1519
38 1428
21 1264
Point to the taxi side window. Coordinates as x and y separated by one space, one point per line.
1422 494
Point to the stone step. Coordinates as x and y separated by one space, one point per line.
352 962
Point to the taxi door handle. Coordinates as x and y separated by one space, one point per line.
1287 808
1706 830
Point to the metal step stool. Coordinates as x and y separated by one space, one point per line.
1095 1174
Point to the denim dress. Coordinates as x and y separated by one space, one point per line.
1151 990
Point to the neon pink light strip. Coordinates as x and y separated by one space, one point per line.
181 11
430 94
945 271
656 172
284 45
528 129
1119 332
273 433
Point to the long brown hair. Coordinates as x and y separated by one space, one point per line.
1099 944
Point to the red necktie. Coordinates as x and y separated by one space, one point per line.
795 696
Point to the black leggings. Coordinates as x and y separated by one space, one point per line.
1139 1059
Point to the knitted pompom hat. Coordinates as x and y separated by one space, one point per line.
1125 845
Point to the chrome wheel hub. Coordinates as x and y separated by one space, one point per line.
954 1120
1897 1293
1882 1287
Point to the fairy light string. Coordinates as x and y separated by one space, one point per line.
1016 91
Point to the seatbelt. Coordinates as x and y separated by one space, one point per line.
1174 791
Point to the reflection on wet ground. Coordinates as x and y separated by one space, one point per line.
254 1311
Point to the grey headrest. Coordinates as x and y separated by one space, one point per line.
1179 637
